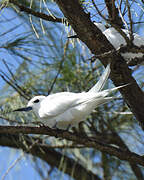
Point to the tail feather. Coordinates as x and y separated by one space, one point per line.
106 92
100 84
104 100
101 97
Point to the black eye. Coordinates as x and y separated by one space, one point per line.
36 101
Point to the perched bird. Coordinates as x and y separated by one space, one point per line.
65 109
100 26
117 40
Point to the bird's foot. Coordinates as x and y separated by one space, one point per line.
55 126
40 124
68 127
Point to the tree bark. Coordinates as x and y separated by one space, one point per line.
98 44
49 155
80 139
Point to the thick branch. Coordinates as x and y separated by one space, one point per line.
98 44
52 157
124 49
77 138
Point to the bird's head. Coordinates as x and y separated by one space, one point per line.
33 104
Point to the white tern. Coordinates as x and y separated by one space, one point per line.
117 40
65 109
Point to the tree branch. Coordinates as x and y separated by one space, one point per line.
78 138
123 49
49 155
113 13
35 13
98 44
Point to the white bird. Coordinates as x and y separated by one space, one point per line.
100 26
117 40
66 109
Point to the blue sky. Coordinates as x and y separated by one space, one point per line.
24 169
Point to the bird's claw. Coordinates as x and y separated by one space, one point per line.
68 127
55 126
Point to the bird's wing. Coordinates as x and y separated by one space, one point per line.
58 103
114 37
100 26
100 84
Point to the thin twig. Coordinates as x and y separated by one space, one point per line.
131 22
60 68
15 88
35 13
99 11
18 159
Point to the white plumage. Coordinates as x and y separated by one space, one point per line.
117 40
68 109
100 26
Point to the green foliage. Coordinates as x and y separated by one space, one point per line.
37 61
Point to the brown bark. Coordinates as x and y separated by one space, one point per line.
79 139
98 44
49 155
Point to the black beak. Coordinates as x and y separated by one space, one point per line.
74 36
23 109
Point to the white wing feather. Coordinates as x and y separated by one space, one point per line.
59 103
56 104
100 84
67 108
